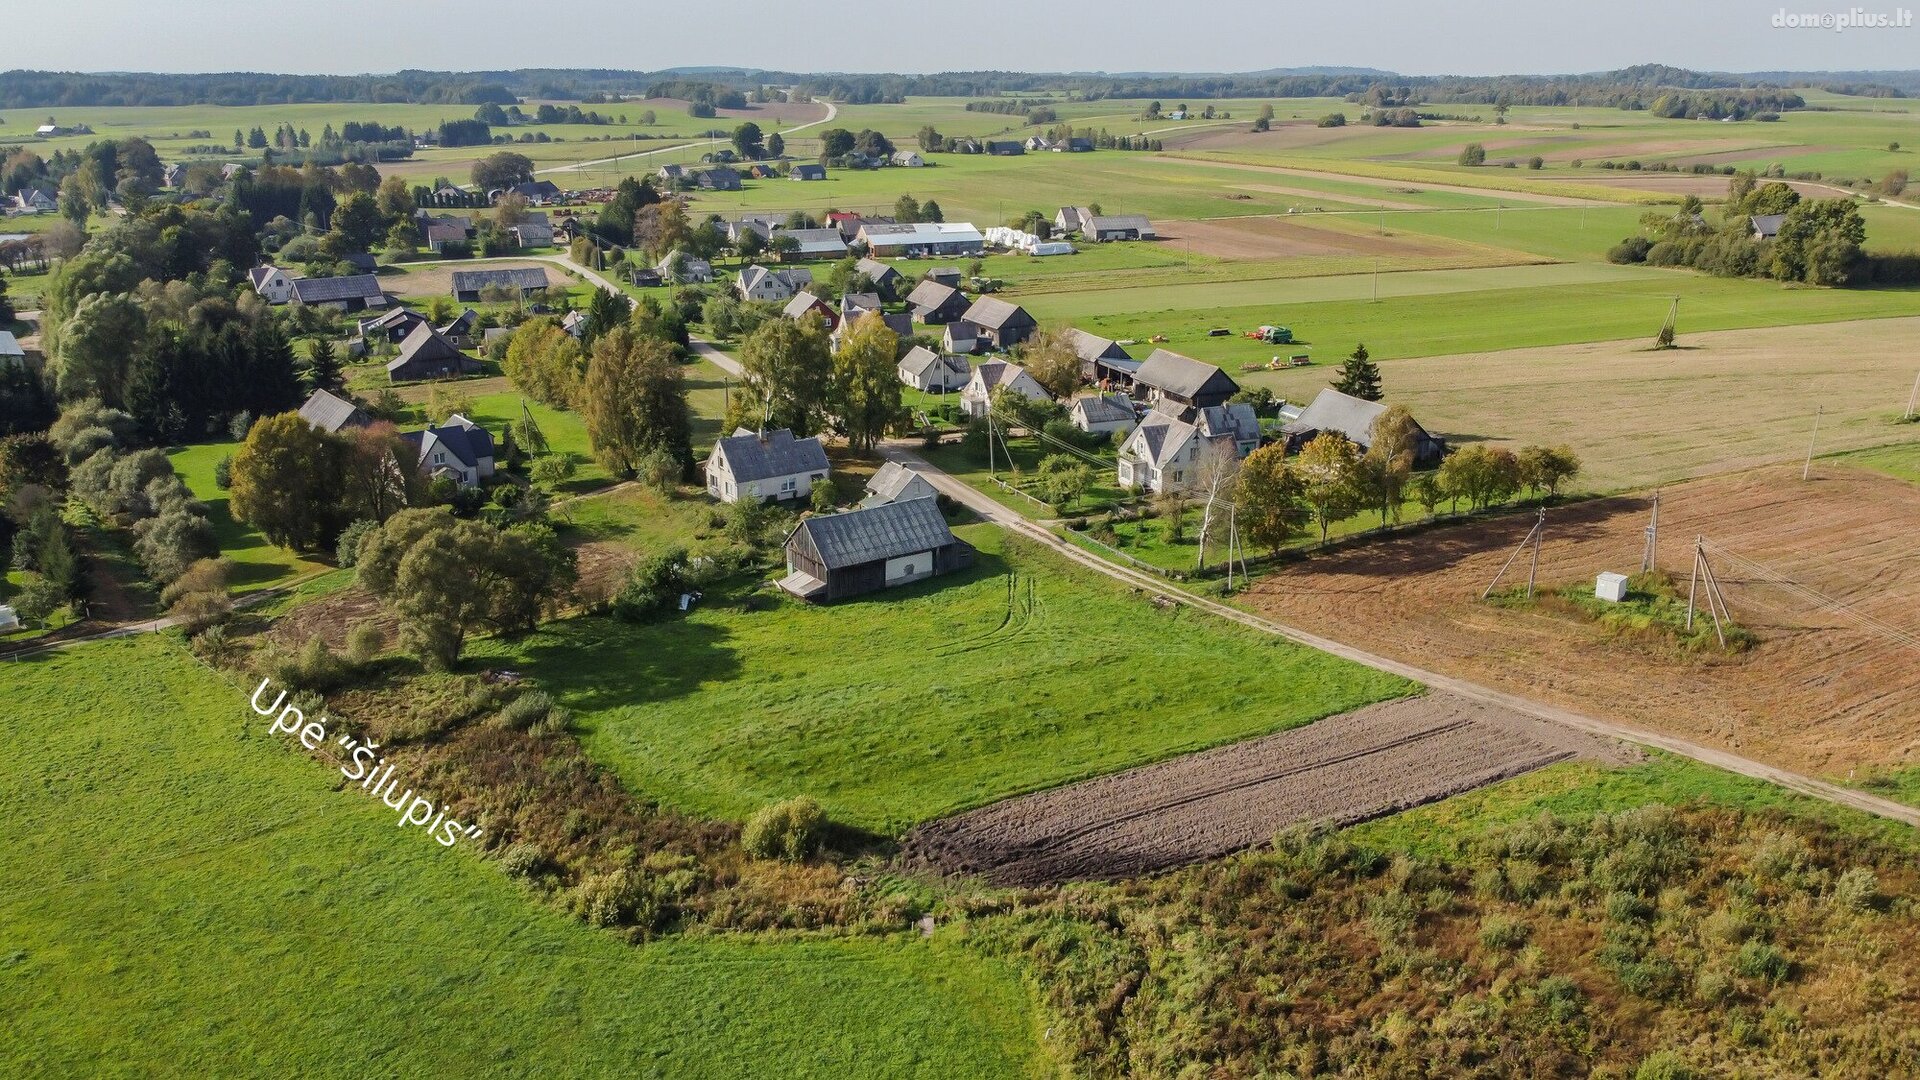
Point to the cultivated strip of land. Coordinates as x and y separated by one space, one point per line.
1345 769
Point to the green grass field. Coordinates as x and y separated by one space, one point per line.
181 892
1019 674
1901 460
258 563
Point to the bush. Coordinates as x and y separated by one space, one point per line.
223 473
1856 889
787 830
364 642
659 470
1631 250
654 587
1758 960
347 550
824 496
553 469
526 710
312 668
1500 932
1664 1065
523 860
1473 154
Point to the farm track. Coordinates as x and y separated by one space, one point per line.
1348 610
1342 770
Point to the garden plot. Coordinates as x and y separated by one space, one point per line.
1345 769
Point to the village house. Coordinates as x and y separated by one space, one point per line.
1038 143
1352 418
767 466
392 327
1001 325
960 337
1075 145
1183 381
934 373
458 449
680 268
427 355
774 286
993 376
885 278
1004 147
271 283
894 482
804 302
12 353
575 324
1101 229
536 192
331 413
1765 226
439 234
718 178
812 171
35 201
1102 360
920 240
908 159
1102 414
835 556
1069 219
866 304
673 174
814 244
356 293
535 231
524 281
1164 454
460 330
936 304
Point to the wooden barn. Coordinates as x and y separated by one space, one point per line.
835 556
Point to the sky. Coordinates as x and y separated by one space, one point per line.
1414 37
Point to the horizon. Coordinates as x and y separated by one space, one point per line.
1726 36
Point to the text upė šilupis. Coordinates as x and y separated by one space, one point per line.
367 768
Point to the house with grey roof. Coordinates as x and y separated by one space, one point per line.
934 372
271 283
1101 228
766 466
922 239
808 172
425 354
458 449
1352 418
883 546
468 284
718 178
1004 147
355 293
1166 454
814 244
1001 325
1070 219
885 278
776 285
1188 383
1102 359
672 173
960 337
12 353
936 304
804 302
1765 226
894 482
994 376
393 327
679 267
1102 414
331 413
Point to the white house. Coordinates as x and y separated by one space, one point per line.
1167 453
459 448
976 398
1102 413
960 337
908 159
894 482
768 466
776 286
272 283
932 372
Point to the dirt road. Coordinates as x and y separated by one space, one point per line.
1343 770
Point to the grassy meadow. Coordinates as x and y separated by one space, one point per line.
1019 674
178 886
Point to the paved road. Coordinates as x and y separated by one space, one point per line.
986 507
832 111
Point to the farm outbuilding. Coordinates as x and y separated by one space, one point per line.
468 284
425 354
1000 325
936 304
1182 380
835 556
1352 417
355 293
934 372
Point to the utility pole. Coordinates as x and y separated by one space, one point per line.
1648 557
1807 469
1911 397
1376 279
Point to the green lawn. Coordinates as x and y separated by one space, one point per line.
182 893
257 562
1020 674
1027 455
1901 460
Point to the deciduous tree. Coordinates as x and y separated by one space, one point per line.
1272 508
634 401
286 481
1328 468
789 370
866 382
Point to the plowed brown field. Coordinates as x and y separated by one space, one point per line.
1821 693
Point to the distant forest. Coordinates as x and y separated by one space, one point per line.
1634 87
